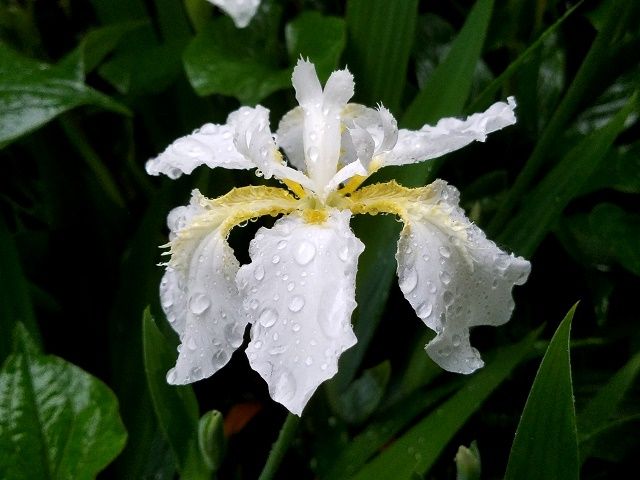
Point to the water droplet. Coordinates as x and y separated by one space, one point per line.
445 277
253 304
444 251
425 257
343 254
259 273
277 349
233 336
308 361
323 366
494 284
199 303
312 154
456 340
268 317
220 359
290 286
282 244
172 375
257 344
275 259
295 327
424 310
304 252
408 280
275 336
447 296
191 343
431 287
296 303
285 387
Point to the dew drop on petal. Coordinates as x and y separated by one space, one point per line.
290 286
191 343
456 340
445 277
220 358
275 259
295 327
424 310
304 253
282 244
199 303
257 344
445 251
277 349
312 154
258 273
296 303
268 317
408 280
308 361
447 296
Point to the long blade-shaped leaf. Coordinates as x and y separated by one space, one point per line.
418 449
175 407
545 446
563 183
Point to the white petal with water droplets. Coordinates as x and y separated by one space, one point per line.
322 122
454 277
210 145
254 140
240 11
199 295
299 290
448 134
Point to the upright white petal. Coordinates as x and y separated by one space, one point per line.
289 137
240 11
448 134
454 277
322 121
210 145
199 295
299 291
254 140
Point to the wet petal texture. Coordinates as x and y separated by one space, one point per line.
211 145
454 277
198 291
240 11
299 292
448 134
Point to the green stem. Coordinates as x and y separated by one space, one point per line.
280 447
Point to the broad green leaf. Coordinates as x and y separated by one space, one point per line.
319 38
15 302
445 93
620 171
176 407
33 93
56 420
545 446
596 415
380 431
417 450
546 203
242 63
377 264
363 396
380 37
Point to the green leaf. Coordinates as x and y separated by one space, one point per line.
56 420
318 37
176 407
545 446
211 439
620 171
446 92
382 430
546 203
363 396
417 450
15 302
380 37
595 416
242 63
33 93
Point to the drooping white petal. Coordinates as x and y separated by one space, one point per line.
240 11
299 291
322 121
454 277
211 145
254 140
448 134
199 295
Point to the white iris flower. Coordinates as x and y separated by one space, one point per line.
298 292
240 11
